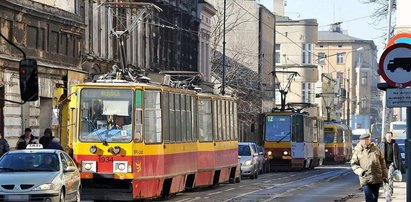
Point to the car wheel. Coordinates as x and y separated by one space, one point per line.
237 179
62 196
252 176
256 175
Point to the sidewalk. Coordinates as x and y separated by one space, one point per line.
398 196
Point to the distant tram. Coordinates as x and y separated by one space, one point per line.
142 140
292 140
338 143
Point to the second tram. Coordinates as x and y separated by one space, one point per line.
292 140
338 142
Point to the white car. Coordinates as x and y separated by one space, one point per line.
38 175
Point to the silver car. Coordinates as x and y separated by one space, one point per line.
249 159
39 175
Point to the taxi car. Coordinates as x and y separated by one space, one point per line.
37 174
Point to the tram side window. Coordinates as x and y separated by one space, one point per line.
215 120
177 117
165 111
194 122
315 130
205 120
298 132
138 118
152 117
230 121
224 125
183 121
339 136
220 122
188 118
172 118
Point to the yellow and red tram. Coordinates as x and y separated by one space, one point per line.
292 140
137 141
338 143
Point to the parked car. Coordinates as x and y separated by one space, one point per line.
261 159
39 175
248 154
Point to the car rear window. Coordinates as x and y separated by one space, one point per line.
244 150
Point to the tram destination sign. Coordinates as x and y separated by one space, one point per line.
398 97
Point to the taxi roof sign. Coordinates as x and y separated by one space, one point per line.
34 146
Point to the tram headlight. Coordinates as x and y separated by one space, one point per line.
326 150
285 153
93 149
120 166
116 150
88 166
269 153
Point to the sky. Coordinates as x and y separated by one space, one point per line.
353 14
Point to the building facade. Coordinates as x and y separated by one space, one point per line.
249 36
353 63
158 39
207 11
52 33
295 53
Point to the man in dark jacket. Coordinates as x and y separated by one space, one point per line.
391 151
46 139
4 146
55 144
26 139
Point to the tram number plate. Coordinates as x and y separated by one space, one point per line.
105 159
287 157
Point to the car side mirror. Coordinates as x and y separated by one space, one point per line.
255 154
260 153
70 169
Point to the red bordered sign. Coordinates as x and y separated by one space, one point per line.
395 65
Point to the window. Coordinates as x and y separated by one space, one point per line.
307 92
172 118
364 78
177 117
321 58
340 58
363 103
307 53
63 161
340 77
165 110
138 118
152 117
205 120
277 54
340 45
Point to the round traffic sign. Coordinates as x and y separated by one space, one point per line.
399 38
395 65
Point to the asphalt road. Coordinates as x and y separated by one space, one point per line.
326 183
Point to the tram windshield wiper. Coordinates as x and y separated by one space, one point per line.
102 140
282 138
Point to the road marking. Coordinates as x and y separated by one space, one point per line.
267 181
194 199
277 185
214 193
184 200
241 186
229 189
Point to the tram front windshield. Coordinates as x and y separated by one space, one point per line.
106 115
278 128
329 137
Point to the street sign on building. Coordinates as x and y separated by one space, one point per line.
398 97
395 65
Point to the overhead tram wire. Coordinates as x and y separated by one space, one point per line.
298 45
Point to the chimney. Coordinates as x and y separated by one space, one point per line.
278 7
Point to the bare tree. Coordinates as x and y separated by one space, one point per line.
381 10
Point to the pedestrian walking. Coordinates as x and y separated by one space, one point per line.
391 151
368 163
27 138
4 146
55 144
46 139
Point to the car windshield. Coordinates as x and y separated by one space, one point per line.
278 128
329 137
399 127
106 115
25 162
244 150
